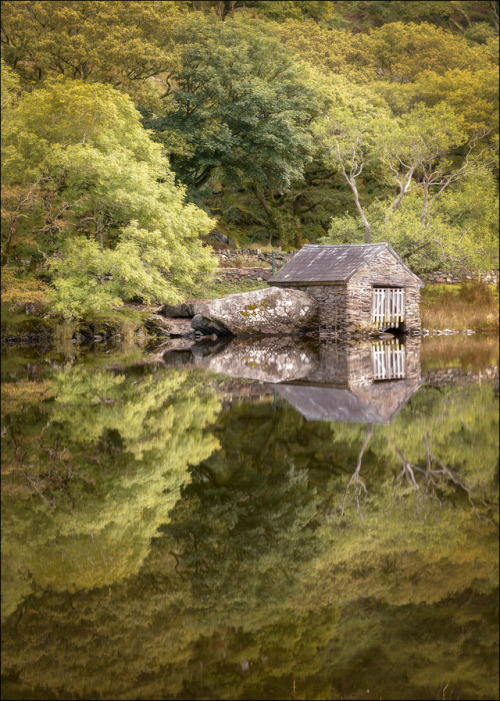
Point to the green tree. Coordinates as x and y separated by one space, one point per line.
458 16
460 231
400 52
473 94
121 43
239 108
421 151
282 10
105 200
350 138
10 88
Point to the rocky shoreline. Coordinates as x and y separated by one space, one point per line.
173 327
268 312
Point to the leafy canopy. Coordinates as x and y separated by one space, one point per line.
121 43
239 103
106 202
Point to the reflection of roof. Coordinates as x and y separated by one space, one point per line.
334 404
332 263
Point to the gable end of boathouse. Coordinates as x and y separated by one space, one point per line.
358 287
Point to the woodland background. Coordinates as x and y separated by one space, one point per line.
132 132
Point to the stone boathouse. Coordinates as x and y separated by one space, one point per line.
359 287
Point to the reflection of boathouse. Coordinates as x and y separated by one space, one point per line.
365 286
367 381
370 382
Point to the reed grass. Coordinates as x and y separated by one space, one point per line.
471 305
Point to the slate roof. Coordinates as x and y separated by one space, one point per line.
336 263
332 404
320 403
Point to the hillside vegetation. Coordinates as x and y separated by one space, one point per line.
135 133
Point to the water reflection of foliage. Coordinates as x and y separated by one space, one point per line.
296 488
239 596
101 466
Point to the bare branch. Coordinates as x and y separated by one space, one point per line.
355 478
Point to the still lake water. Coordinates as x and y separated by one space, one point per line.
264 521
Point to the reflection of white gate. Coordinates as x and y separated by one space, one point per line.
388 360
388 306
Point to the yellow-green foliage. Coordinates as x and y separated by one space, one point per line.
269 567
121 44
118 225
128 444
19 291
10 88
17 395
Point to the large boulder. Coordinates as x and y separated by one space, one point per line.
264 359
269 312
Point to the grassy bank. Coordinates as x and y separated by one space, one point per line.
221 289
471 305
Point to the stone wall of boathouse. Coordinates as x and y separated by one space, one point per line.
383 271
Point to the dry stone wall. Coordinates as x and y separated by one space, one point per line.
247 256
490 277
442 377
238 274
241 262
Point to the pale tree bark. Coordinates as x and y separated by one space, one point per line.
352 169
355 479
430 176
403 179
441 180
494 9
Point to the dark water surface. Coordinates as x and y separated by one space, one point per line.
268 521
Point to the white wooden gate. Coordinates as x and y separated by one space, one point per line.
388 306
388 360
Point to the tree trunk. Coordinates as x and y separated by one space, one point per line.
403 186
273 224
425 205
365 221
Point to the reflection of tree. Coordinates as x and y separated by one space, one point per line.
359 485
245 528
431 480
239 596
104 471
463 428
